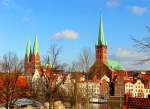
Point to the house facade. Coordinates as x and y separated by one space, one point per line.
136 88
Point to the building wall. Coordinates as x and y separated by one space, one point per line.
104 88
90 89
146 93
137 89
128 87
119 86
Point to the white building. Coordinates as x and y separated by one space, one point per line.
89 88
128 87
136 89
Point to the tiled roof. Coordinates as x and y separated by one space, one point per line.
138 103
147 85
146 76
129 80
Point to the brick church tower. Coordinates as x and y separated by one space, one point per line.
100 67
32 60
101 46
107 69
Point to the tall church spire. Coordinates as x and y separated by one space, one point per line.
27 56
101 38
28 48
101 46
36 46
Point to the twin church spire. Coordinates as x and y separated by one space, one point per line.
32 59
35 48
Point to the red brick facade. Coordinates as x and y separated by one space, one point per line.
101 54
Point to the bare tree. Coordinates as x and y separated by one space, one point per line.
75 94
83 64
143 45
74 67
72 90
84 61
11 63
53 56
10 66
51 89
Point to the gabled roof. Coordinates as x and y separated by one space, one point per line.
36 75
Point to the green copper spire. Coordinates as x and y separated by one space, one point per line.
28 48
36 46
101 38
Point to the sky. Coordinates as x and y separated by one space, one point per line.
73 25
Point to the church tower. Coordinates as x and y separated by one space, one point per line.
27 62
35 60
101 46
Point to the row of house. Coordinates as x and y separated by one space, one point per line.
138 86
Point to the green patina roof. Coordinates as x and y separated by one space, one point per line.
101 38
36 46
28 48
114 65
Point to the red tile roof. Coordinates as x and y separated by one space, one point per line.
146 76
136 103
129 80
147 85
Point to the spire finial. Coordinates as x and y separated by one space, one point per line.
28 47
101 38
36 46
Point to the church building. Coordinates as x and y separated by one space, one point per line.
106 67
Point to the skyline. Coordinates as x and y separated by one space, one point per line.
74 23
